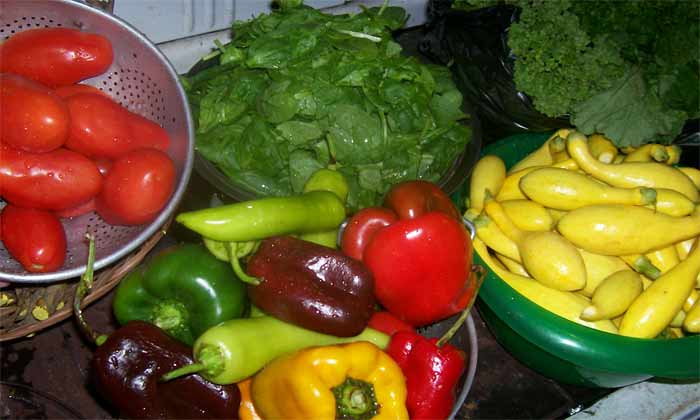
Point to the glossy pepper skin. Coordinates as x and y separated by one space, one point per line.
347 381
127 367
184 290
428 279
312 286
431 372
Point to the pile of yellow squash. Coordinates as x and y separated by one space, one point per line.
602 236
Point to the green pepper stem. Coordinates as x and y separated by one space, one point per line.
355 400
84 287
183 371
236 265
478 273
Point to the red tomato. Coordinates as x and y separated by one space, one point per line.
70 90
147 133
361 227
33 118
78 210
136 188
410 199
56 56
101 128
34 237
55 180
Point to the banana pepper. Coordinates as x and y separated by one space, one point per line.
347 381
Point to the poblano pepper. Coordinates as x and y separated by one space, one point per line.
184 291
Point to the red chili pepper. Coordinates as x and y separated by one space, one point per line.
388 323
432 367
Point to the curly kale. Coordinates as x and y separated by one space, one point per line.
627 69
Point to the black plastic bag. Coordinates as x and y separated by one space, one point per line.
475 46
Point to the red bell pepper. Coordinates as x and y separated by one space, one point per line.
432 368
421 260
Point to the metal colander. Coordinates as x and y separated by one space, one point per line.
140 79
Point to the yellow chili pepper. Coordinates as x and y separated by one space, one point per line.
346 381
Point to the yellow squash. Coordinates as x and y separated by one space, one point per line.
598 267
665 258
647 153
565 304
488 174
674 154
528 215
672 202
512 265
546 255
677 320
656 307
489 232
683 247
642 265
602 148
632 174
691 323
616 229
510 190
567 190
613 296
544 154
692 173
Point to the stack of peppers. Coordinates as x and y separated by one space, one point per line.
310 287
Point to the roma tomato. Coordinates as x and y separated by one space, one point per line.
410 199
56 56
421 267
136 188
34 237
33 118
361 227
101 128
70 90
55 180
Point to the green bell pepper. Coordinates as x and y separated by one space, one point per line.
185 290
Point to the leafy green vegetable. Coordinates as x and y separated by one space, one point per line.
627 69
298 90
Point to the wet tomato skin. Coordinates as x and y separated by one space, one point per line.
35 238
56 56
33 117
56 180
136 188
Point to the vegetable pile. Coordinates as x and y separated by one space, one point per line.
627 69
67 149
268 318
298 90
610 238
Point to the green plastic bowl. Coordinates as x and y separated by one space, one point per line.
563 350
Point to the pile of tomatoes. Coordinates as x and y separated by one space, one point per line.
67 148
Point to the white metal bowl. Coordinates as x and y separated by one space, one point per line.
141 79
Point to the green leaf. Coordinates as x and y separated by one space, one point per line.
629 114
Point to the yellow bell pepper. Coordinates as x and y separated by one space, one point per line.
348 381
246 410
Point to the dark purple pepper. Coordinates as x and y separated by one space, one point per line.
127 367
312 286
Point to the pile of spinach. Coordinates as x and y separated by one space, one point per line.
297 90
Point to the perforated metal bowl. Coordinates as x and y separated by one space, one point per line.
140 79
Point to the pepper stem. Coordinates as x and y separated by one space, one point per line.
210 361
183 371
84 287
477 277
355 400
232 248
